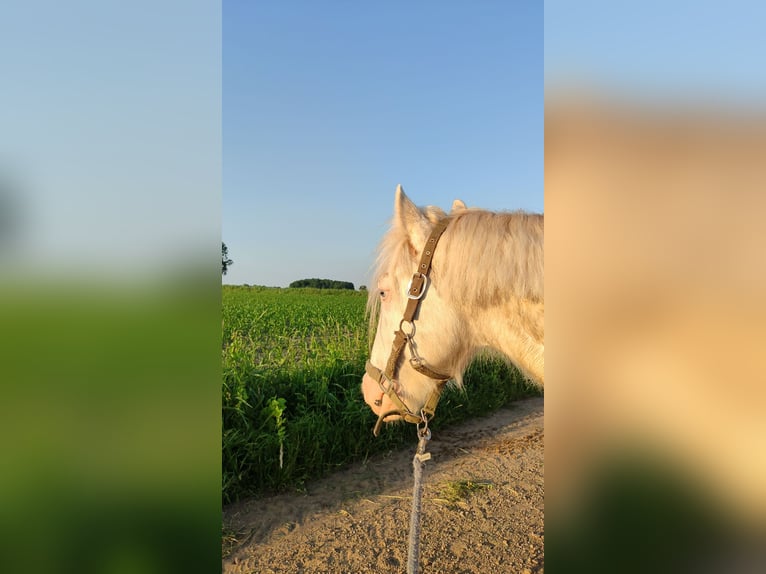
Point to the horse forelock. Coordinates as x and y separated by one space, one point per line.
394 259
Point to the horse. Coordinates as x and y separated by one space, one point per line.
477 285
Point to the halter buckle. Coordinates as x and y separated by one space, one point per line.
423 282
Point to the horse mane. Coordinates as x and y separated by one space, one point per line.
483 259
488 258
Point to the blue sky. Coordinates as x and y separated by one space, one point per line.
682 51
328 105
110 142
116 121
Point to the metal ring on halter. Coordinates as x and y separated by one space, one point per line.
422 426
385 390
412 328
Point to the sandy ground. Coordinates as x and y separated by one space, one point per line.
357 520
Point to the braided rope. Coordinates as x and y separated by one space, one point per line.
413 551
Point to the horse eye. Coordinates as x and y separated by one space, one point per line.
382 294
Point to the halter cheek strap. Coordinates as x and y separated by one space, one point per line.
386 379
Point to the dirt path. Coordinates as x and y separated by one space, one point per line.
482 504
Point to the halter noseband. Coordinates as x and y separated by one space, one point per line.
386 378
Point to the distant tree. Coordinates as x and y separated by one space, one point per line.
225 261
363 287
322 284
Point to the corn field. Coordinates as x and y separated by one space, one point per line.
293 361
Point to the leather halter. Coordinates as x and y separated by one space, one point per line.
387 378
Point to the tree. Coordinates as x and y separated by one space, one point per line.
225 261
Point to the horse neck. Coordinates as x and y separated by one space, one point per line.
492 278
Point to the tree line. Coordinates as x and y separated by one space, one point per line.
316 283
323 284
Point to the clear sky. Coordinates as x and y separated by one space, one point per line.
328 105
117 118
110 149
705 50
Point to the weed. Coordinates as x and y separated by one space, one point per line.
459 490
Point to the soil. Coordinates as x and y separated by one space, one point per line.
482 508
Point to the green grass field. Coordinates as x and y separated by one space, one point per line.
293 361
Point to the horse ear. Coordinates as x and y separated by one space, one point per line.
457 205
411 219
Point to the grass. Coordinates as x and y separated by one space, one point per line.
293 361
457 491
229 541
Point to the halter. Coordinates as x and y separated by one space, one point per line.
387 378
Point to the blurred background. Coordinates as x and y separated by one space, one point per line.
655 141
110 193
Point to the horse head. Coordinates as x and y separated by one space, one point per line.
446 287
405 380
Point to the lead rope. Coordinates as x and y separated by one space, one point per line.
421 456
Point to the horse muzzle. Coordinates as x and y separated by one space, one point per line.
376 398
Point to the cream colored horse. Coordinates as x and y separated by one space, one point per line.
485 291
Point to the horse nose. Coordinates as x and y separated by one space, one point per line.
372 393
